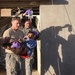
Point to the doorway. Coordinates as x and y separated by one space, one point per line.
35 23
37 51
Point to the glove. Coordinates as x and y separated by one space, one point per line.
28 11
15 45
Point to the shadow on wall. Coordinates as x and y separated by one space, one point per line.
50 41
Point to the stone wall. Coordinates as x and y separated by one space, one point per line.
57 38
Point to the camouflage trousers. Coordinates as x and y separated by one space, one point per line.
13 64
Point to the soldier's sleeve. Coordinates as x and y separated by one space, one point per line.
6 34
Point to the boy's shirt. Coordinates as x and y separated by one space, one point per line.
29 44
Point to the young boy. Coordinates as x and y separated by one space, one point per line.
28 53
29 44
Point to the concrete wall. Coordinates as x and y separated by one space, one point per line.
57 37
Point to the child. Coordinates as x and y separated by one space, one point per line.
29 44
28 53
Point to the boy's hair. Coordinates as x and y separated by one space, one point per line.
31 32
